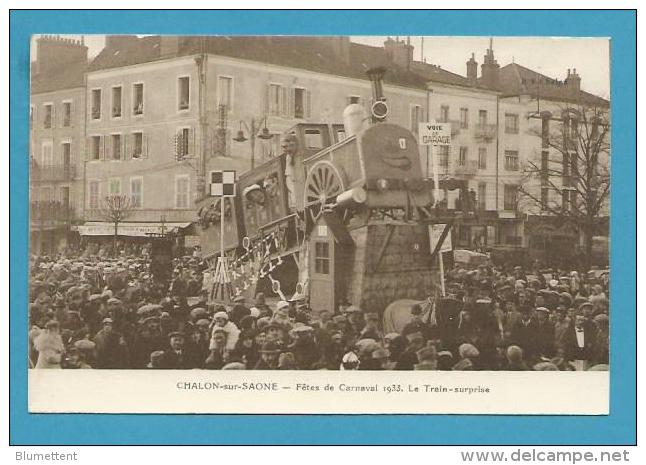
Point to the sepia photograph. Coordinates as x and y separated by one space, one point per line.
346 203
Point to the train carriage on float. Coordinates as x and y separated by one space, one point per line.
340 216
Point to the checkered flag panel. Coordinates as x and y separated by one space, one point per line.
223 183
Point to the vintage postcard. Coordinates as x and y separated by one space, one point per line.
319 224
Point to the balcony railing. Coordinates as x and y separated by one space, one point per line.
470 168
485 132
53 173
147 215
50 213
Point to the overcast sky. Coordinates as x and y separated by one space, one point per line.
549 56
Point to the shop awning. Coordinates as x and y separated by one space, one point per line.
131 229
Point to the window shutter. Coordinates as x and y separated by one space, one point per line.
292 102
144 146
108 147
191 142
72 109
285 101
123 146
267 96
53 116
101 147
127 154
308 104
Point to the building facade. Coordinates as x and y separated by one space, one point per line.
57 132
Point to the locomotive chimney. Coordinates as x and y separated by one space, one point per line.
379 107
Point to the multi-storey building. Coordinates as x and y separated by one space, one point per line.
162 112
57 131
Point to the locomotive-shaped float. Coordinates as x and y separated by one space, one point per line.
339 217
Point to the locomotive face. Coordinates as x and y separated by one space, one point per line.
390 152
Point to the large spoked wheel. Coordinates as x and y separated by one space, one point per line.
322 186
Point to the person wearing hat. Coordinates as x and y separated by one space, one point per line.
304 349
148 338
218 351
545 333
525 333
260 304
111 349
49 345
371 329
239 310
221 320
408 358
269 356
515 359
427 357
580 346
602 345
178 356
246 349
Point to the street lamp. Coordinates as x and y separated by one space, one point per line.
253 129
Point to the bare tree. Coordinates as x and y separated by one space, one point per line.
116 209
571 177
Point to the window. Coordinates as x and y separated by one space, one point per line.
276 100
181 191
464 118
94 194
184 147
67 114
49 115
464 155
116 146
566 166
482 158
299 102
47 154
322 258
225 92
511 123
66 149
444 113
511 160
511 196
96 104
482 196
138 99
137 145
114 186
183 93
116 102
444 156
415 118
136 192
313 139
482 118
95 148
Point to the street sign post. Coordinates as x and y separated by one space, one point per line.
435 235
431 134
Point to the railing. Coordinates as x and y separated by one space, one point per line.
470 168
53 173
50 213
147 215
485 132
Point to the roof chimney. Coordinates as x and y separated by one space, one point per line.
399 51
472 70
341 48
490 68
55 51
573 83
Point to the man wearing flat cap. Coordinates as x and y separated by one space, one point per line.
178 356
111 349
239 310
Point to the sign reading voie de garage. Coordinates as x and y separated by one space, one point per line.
434 133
